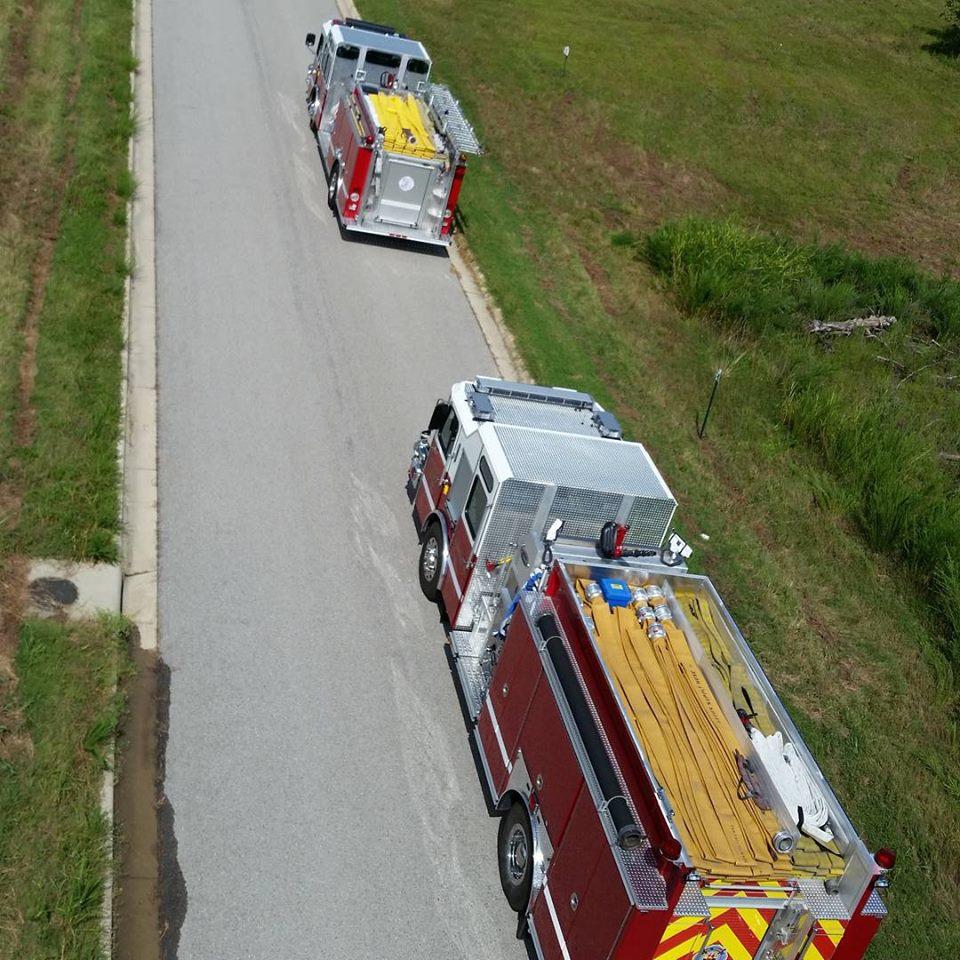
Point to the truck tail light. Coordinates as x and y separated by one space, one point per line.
671 849
885 858
452 198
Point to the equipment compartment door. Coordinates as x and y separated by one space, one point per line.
515 679
403 190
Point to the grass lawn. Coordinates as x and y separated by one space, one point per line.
64 127
54 840
829 122
63 166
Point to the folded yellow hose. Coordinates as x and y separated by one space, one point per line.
732 672
689 743
406 128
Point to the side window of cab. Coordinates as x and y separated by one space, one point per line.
325 58
447 436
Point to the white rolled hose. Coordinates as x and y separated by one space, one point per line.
793 782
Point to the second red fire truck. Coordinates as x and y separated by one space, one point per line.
394 145
657 800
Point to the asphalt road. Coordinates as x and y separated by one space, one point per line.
323 797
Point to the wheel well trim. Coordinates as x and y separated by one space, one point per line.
444 536
519 789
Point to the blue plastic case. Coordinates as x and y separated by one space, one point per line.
615 592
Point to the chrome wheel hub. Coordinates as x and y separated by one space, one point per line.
430 562
517 854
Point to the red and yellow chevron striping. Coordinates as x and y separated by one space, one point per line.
736 932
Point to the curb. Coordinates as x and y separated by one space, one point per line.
139 462
498 338
137 443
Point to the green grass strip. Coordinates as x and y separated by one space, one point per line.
70 476
54 839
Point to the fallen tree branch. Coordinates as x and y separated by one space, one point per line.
952 457
896 363
870 324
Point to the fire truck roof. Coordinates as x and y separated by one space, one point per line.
373 39
582 462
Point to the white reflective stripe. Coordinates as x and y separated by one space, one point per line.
454 580
499 736
556 922
426 490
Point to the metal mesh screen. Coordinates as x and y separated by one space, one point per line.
584 511
649 521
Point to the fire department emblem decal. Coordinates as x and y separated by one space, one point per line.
713 952
405 184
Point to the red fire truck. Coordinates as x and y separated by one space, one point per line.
657 800
393 144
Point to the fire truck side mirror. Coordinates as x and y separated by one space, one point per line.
440 412
311 40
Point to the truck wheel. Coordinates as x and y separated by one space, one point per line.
515 853
431 561
333 186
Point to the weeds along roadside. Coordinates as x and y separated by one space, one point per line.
64 125
882 411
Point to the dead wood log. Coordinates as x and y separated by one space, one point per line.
870 325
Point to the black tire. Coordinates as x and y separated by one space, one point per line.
431 561
333 185
515 856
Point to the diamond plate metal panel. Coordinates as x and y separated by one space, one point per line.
474 680
512 411
692 902
874 907
585 462
823 905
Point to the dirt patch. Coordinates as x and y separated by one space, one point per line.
921 226
626 184
16 66
600 280
137 795
14 738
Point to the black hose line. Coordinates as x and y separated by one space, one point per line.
629 833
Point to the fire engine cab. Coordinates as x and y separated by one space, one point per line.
657 800
393 143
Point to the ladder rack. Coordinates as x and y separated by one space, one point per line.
450 120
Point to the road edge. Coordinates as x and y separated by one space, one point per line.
139 491
137 441
499 339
